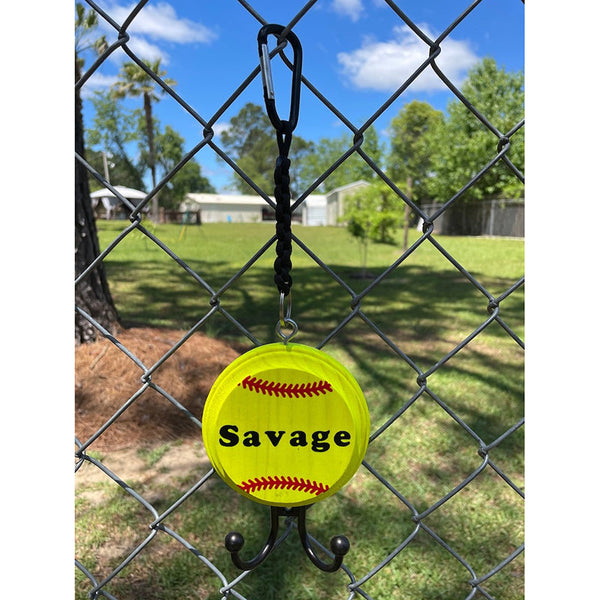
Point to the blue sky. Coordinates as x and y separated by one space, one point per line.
356 52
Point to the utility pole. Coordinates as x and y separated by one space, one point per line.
105 161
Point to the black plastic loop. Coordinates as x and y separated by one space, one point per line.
283 126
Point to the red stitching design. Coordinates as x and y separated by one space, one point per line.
285 389
285 483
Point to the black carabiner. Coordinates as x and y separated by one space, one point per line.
284 127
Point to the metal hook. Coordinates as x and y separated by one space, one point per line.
339 544
285 315
234 542
285 319
286 323
288 126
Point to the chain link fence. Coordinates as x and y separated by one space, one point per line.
415 523
488 217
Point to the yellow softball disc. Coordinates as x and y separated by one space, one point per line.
285 425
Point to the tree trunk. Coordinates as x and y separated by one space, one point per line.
92 294
151 152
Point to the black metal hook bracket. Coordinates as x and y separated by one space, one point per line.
339 544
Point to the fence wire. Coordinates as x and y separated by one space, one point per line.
160 521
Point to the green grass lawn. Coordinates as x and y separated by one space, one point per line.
424 308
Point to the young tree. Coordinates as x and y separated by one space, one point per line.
412 133
134 82
92 294
372 214
465 145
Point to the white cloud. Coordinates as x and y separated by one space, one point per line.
384 66
350 8
97 82
159 23
147 50
220 127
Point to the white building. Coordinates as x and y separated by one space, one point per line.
314 210
112 204
225 208
317 209
237 208
335 201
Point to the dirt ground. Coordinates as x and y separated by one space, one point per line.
106 378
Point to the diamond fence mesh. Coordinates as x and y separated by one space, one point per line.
449 525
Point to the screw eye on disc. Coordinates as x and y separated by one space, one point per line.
286 425
289 324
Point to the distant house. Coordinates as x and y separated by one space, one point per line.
238 208
314 210
225 208
336 198
112 205
485 217
317 209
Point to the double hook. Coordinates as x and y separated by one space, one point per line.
339 544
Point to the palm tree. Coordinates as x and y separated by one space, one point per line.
135 81
92 294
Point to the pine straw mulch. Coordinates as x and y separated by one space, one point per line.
106 378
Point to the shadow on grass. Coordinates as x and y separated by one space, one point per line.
425 312
376 524
415 302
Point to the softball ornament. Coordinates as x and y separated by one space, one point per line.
286 425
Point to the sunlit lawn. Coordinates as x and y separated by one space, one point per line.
421 310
